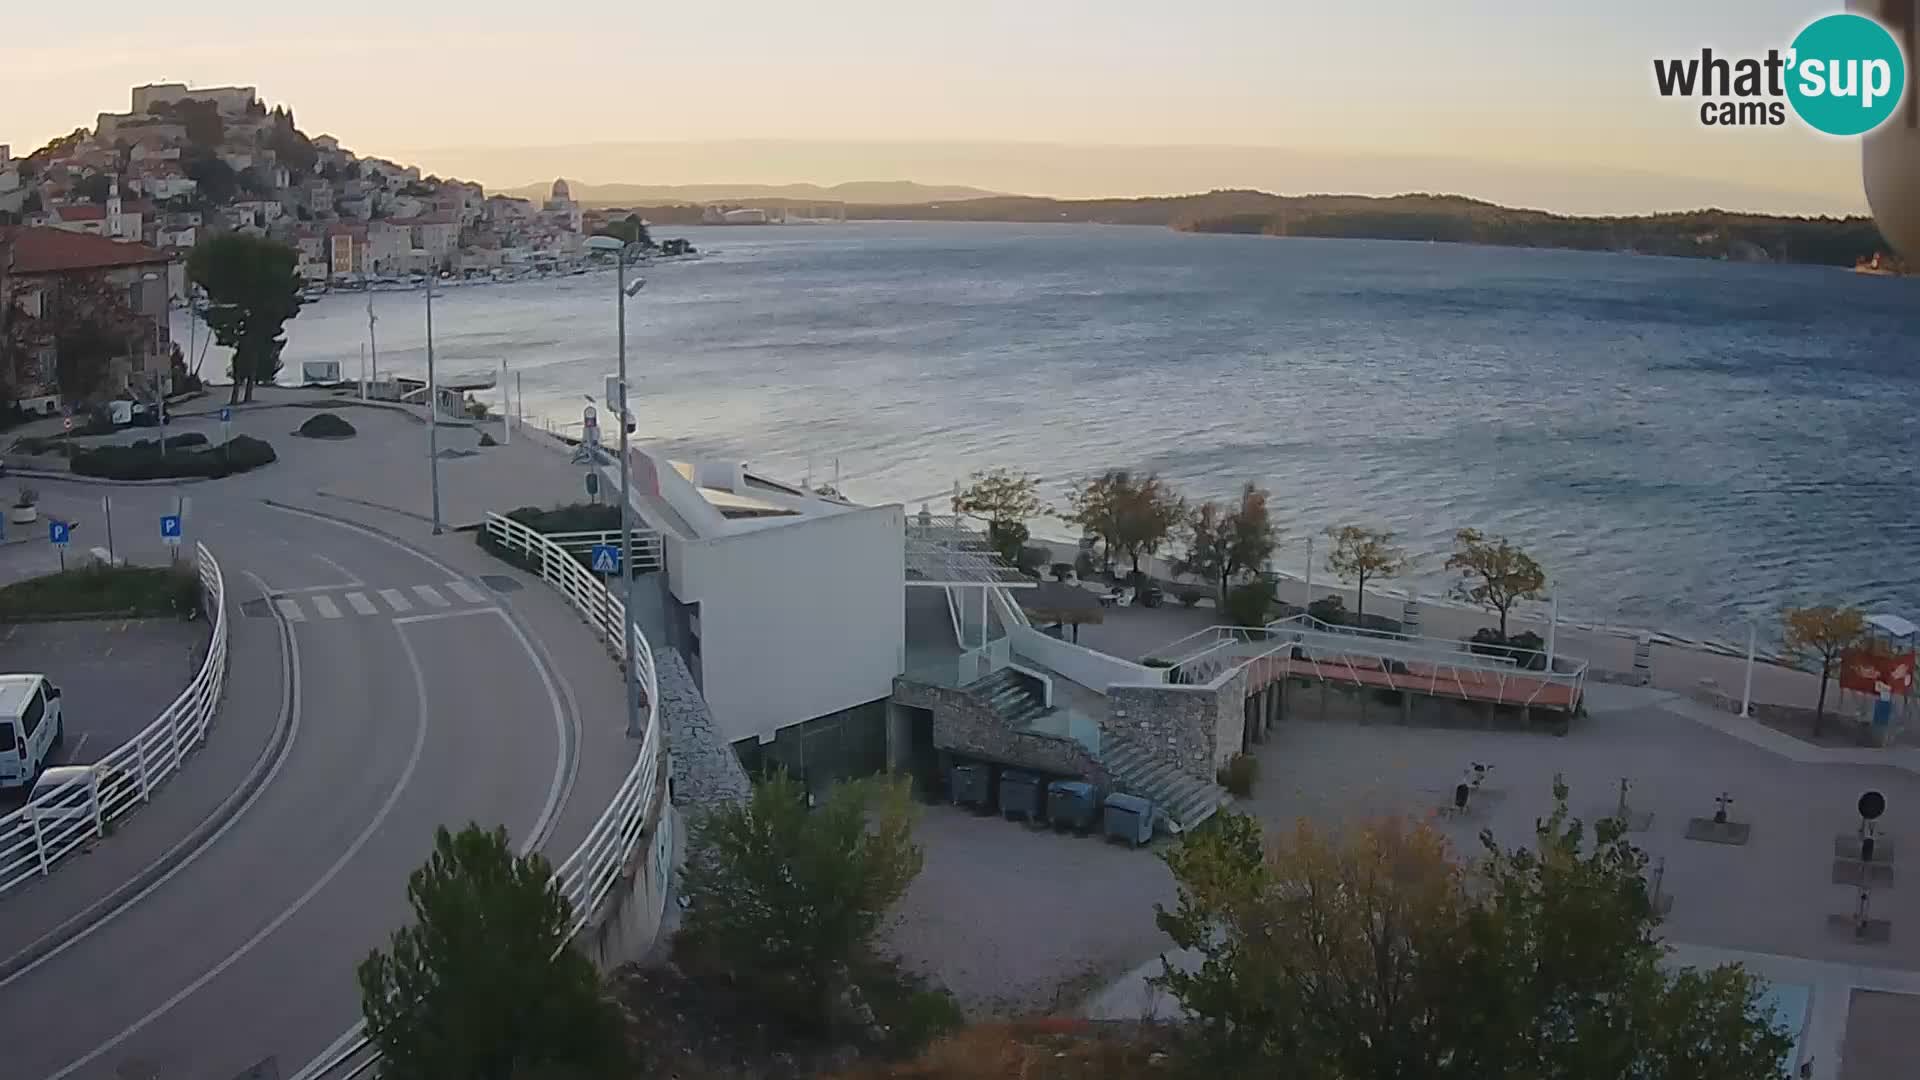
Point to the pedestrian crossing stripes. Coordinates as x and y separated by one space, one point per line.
377 602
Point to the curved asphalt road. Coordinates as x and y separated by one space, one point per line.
401 721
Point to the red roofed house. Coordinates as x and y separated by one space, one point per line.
46 271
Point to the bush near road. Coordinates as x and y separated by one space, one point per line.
145 461
118 590
326 426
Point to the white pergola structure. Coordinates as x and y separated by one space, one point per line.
944 552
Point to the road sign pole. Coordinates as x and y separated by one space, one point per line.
106 508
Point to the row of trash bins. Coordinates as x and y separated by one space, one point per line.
1067 805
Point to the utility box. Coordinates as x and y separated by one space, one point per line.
972 785
1073 804
1129 818
1023 796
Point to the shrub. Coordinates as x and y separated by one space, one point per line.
1062 571
1238 773
29 496
144 460
573 517
1083 565
1189 596
141 590
1247 605
1329 609
185 439
1154 661
487 439
326 425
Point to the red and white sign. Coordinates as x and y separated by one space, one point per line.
1871 672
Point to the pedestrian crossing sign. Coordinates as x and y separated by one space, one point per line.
606 559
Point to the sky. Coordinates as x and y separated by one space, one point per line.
1548 104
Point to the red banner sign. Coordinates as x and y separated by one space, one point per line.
1869 672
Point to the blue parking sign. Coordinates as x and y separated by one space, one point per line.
58 532
226 414
170 528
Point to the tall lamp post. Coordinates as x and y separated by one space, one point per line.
433 413
619 402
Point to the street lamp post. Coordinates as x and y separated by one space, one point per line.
433 414
619 247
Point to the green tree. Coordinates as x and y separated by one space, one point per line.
1361 554
1226 540
1005 500
252 290
786 900
215 181
1130 516
629 229
1824 633
94 189
1494 574
87 320
485 984
1378 955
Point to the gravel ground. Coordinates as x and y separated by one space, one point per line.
1014 921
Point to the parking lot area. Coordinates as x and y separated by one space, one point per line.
115 674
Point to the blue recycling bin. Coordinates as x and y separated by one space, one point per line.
1129 818
1023 796
1073 804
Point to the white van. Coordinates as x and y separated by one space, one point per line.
30 727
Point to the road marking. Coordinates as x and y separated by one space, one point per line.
326 607
438 615
467 592
344 572
366 834
80 744
289 609
395 600
431 596
361 605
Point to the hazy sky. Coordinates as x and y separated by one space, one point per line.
1552 102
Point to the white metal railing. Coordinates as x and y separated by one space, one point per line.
590 874
1425 665
647 554
47 829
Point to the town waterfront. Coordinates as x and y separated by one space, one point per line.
1684 444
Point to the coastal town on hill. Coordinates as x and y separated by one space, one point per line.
183 163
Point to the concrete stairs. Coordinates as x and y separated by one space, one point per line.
1012 696
1186 800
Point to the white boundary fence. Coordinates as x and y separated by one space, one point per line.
589 875
60 822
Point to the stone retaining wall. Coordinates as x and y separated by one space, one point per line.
965 724
1197 728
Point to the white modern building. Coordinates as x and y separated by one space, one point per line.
788 605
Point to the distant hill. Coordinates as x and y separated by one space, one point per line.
1714 234
868 192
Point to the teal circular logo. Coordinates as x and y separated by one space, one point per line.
1846 74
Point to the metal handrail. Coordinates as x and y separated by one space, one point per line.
38 835
590 874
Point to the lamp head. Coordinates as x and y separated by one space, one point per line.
605 243
634 286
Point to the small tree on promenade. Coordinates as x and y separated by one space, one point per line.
1824 633
1494 573
1228 539
1360 555
1132 516
1005 499
485 985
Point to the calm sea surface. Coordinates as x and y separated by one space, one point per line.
1683 444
